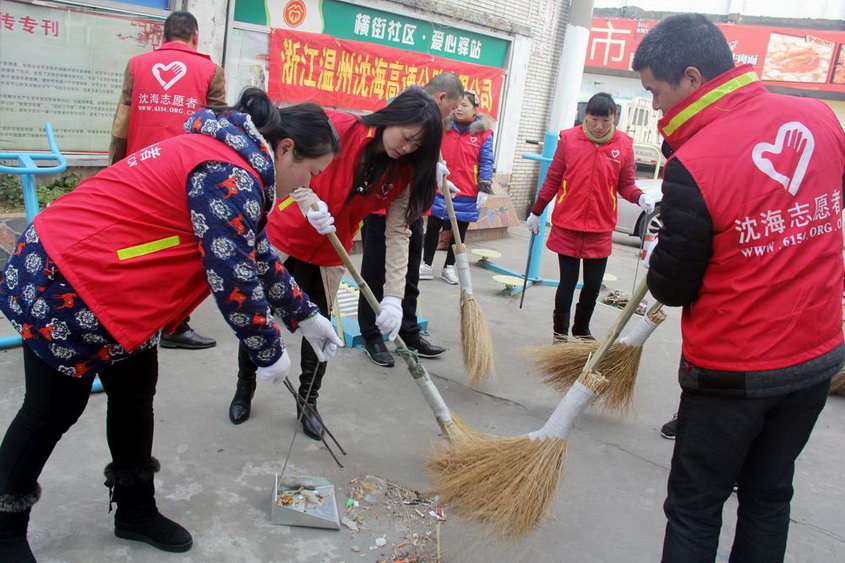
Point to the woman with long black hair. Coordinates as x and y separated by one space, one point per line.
134 250
388 161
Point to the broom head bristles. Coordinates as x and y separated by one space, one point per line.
837 384
476 341
507 483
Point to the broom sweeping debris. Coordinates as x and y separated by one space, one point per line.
453 429
562 363
476 339
837 384
509 483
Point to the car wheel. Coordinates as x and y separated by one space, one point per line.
650 224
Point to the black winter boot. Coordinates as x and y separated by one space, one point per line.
242 402
309 389
137 517
581 325
14 520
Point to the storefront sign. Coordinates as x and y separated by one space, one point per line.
312 67
792 58
64 66
351 21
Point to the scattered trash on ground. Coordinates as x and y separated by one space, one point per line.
619 299
402 524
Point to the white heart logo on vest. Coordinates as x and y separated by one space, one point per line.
614 153
177 67
796 143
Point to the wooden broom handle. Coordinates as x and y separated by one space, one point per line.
447 195
623 319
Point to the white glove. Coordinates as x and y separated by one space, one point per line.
481 200
647 203
320 334
441 174
321 219
390 318
453 189
276 372
533 223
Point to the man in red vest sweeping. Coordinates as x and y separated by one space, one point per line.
160 90
751 248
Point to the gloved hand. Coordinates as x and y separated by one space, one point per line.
533 223
321 219
647 203
648 249
276 372
441 174
390 318
319 332
453 189
481 200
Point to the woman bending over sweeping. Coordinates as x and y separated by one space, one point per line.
388 162
133 250
468 152
593 162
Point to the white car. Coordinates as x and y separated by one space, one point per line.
632 219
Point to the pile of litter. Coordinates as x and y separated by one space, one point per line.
619 299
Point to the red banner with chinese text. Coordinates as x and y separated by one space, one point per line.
313 67
786 57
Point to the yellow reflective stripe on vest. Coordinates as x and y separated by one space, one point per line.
147 248
707 99
562 191
612 197
285 203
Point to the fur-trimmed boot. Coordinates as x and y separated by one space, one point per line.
137 517
14 520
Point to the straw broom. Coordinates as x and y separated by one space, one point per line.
562 362
455 430
476 339
509 483
837 384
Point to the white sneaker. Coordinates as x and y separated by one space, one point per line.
448 275
426 273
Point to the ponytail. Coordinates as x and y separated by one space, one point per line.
307 125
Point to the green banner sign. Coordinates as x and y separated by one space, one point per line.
360 23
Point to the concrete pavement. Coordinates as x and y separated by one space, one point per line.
216 478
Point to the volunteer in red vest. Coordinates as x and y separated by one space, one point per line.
388 160
592 164
130 251
160 90
751 248
446 90
468 153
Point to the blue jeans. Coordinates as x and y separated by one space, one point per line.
725 440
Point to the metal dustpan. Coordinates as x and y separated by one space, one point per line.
304 501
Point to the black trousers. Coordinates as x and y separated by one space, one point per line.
310 280
593 273
372 270
721 441
432 238
53 403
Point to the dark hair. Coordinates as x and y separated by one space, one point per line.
414 107
471 97
682 41
180 26
445 82
307 125
601 105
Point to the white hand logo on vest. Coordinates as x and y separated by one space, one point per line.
176 70
796 143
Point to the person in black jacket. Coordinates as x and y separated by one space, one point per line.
751 248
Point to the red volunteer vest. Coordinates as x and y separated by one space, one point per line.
125 242
586 198
461 152
290 232
168 85
770 170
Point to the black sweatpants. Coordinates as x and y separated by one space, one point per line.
372 270
593 273
432 238
53 403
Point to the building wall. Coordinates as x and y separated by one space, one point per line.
806 9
